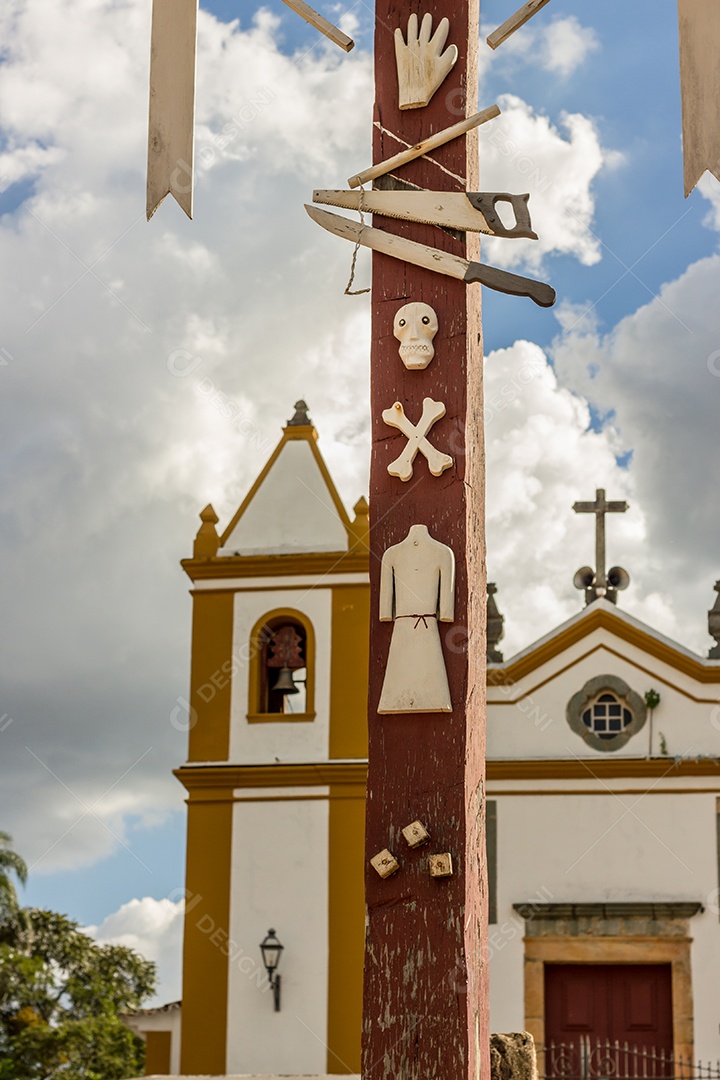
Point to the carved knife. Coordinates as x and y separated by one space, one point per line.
433 259
472 211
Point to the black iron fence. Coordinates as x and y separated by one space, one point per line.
602 1059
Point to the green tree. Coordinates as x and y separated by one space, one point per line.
12 916
10 863
60 998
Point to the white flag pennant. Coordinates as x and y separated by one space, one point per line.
700 84
171 131
172 103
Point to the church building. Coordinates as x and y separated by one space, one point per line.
603 786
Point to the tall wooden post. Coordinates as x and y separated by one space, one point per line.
425 993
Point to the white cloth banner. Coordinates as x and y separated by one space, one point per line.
172 103
700 85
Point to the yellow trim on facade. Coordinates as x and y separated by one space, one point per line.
350 653
601 768
301 433
258 776
250 566
207 926
212 792
597 618
158 1049
531 793
280 718
281 798
254 713
611 950
211 676
600 647
346 926
498 793
304 774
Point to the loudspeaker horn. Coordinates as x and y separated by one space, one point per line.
618 578
584 578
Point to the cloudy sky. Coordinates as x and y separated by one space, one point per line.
116 337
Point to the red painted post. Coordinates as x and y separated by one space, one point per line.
425 1014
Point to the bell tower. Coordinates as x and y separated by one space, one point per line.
275 775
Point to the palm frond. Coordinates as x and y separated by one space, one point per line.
10 860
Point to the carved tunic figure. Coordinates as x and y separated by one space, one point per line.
417 588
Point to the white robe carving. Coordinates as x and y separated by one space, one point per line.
417 588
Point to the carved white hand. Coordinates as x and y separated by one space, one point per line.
422 65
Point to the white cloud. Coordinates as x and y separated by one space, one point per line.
542 457
658 374
710 188
560 46
153 928
110 451
565 45
524 151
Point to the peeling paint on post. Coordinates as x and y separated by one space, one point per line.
425 1012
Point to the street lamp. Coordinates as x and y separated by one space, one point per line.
271 950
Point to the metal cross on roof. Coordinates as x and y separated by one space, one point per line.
597 583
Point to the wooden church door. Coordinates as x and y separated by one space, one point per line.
624 1003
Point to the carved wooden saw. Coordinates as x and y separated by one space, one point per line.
471 211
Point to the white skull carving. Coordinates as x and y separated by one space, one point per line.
415 326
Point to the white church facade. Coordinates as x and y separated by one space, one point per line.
603 788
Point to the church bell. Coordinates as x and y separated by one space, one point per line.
285 683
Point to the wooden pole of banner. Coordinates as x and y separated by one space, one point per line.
320 23
424 147
425 1012
515 21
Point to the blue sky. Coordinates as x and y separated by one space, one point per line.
109 456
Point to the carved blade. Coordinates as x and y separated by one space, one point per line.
433 259
172 103
471 211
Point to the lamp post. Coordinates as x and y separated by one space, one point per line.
271 950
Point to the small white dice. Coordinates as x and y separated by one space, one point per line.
441 865
385 863
416 834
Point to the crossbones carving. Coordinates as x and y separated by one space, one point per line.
395 417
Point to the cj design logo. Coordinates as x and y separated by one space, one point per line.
713 902
715 717
181 363
183 717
